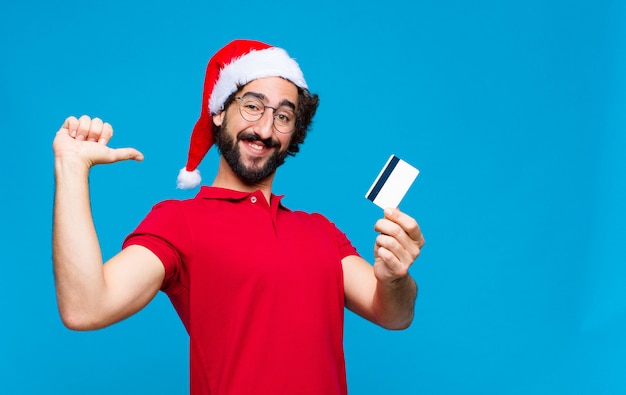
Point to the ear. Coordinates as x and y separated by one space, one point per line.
218 118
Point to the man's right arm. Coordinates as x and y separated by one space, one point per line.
91 295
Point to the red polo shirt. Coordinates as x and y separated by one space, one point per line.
259 289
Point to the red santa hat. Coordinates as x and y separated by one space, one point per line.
236 64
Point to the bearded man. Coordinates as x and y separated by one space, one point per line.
261 289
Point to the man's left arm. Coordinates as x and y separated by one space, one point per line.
385 293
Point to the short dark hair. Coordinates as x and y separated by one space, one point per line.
307 106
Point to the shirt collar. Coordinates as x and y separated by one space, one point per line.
208 192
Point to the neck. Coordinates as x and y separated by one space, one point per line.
226 178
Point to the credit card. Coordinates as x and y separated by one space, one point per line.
392 183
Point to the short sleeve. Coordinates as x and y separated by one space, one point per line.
344 246
164 231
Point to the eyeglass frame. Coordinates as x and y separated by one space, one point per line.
256 96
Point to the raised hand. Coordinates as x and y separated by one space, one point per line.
85 139
397 246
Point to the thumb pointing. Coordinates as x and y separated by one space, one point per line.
127 154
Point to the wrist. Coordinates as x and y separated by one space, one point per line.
70 166
399 282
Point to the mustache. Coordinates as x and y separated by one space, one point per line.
253 137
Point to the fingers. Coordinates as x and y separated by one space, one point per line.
88 129
396 222
390 263
88 138
402 252
71 124
398 245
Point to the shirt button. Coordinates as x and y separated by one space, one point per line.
253 199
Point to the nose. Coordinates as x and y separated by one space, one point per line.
265 125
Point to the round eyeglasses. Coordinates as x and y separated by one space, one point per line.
252 109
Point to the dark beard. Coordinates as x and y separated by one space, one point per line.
229 150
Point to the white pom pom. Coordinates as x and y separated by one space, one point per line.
188 179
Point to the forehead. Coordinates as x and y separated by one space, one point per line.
275 89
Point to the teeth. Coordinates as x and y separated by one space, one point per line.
256 146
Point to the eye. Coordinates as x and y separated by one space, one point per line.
284 116
252 106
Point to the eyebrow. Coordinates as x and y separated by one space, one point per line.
262 97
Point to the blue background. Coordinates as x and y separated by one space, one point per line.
515 113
